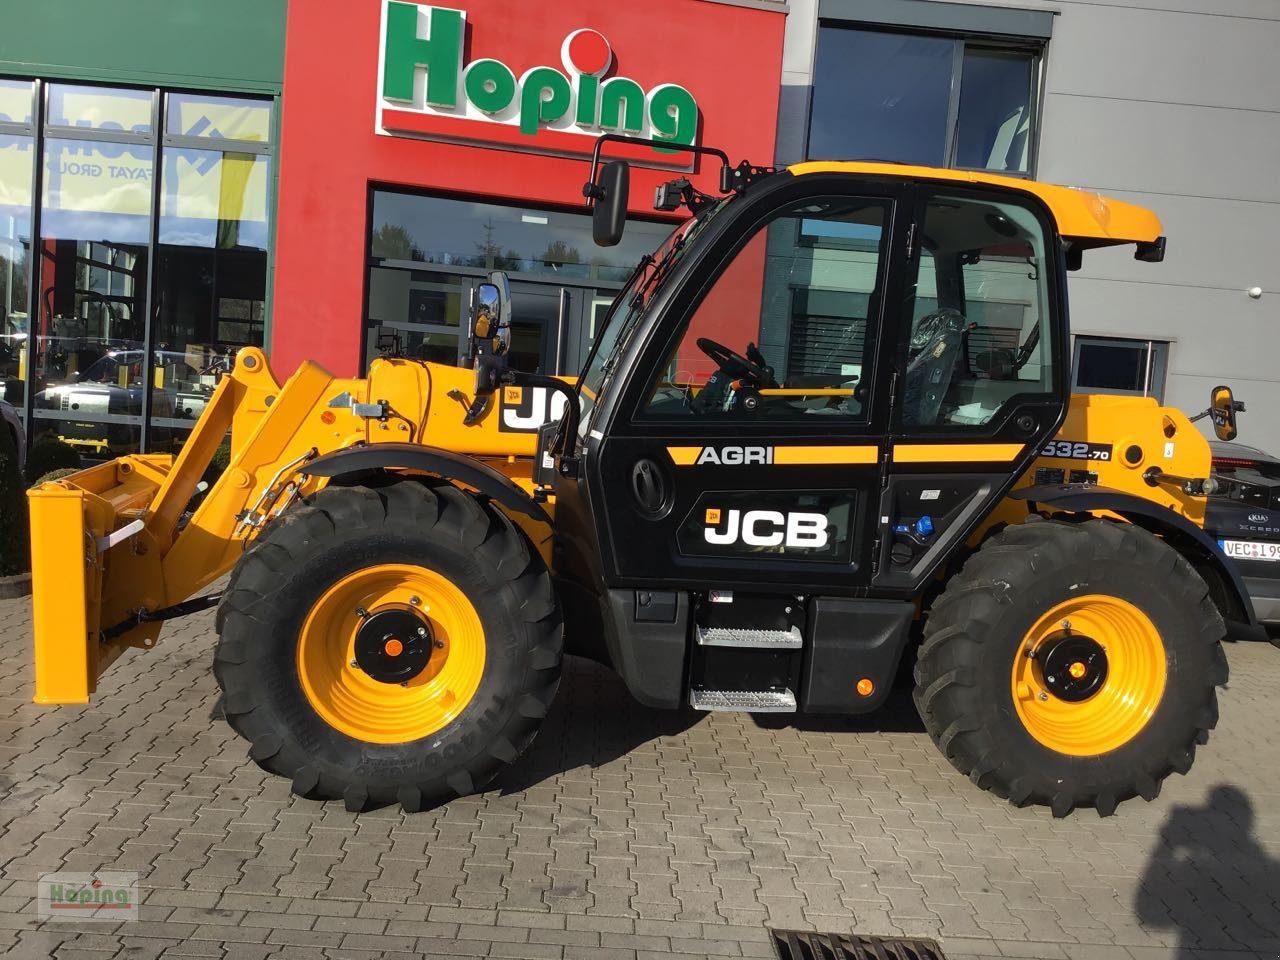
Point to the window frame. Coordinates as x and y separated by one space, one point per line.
1157 360
1058 334
962 40
664 331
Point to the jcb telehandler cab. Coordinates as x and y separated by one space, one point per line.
832 406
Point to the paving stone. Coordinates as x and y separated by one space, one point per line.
623 831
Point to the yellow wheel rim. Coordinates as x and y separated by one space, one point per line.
1089 675
352 701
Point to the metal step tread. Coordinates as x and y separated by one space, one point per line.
746 637
745 701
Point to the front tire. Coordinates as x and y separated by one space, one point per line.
392 645
1072 664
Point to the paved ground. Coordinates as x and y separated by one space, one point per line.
625 834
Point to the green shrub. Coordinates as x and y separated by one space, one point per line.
15 552
55 475
50 452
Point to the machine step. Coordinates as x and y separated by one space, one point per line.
744 701
746 637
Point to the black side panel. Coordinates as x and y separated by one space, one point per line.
1180 531
924 516
851 640
648 655
443 463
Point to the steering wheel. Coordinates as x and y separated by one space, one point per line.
730 366
734 364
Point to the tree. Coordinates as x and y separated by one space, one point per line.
393 242
558 252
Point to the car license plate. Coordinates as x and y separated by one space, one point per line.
1250 549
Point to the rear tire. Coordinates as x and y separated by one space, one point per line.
1145 694
292 623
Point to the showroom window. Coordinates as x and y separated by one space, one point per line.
428 253
142 216
1119 365
938 99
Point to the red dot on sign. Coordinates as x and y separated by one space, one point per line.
96 884
589 51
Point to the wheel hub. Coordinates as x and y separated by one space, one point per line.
1074 667
393 646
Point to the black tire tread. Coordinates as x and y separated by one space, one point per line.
947 696
449 513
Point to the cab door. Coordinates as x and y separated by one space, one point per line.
980 378
747 448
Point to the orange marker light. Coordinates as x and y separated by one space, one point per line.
327 417
865 687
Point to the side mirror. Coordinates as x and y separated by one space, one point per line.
491 325
1223 408
490 341
609 213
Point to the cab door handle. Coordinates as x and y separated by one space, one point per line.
649 487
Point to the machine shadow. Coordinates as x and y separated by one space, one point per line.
593 721
896 715
1211 880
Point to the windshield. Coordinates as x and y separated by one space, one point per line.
629 306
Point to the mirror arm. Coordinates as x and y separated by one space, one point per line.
592 193
1192 486
561 448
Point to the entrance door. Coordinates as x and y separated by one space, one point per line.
748 449
536 322
553 326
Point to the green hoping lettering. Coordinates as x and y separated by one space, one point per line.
673 114
440 52
622 105
544 98
490 85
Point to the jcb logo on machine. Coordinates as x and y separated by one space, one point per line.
1076 450
525 409
766 528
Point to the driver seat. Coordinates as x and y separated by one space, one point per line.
935 348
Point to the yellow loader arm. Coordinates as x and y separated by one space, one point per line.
117 547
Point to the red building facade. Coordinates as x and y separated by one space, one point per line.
421 146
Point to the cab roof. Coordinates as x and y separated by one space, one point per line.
1088 218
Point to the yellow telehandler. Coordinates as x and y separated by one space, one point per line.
826 428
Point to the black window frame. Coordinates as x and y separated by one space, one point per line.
962 40
1059 337
675 305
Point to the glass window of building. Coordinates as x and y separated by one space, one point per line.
427 254
912 97
210 284
17 159
143 288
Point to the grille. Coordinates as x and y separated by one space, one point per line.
802 945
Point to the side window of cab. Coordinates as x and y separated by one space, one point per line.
788 329
979 313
